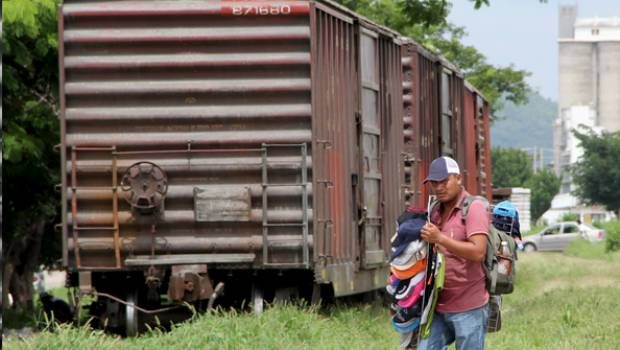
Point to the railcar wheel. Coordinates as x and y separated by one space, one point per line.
257 299
131 314
315 299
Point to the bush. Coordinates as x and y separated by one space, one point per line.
570 217
612 240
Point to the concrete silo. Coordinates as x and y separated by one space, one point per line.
609 85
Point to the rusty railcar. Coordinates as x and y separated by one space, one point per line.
259 144
476 126
442 115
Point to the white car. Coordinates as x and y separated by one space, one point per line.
557 237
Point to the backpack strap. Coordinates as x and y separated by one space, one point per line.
432 206
493 282
466 204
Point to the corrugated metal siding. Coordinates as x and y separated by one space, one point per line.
459 124
393 199
411 125
421 110
187 75
334 143
485 145
371 134
422 103
429 119
472 179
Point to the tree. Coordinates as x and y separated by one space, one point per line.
511 167
425 22
30 126
597 173
544 186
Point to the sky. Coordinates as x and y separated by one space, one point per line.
523 33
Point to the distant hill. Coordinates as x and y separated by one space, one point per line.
529 125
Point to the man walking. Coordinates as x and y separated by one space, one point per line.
462 309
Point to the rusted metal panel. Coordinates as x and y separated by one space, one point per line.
450 119
423 103
459 124
392 145
178 216
471 168
172 9
486 146
422 108
200 88
334 101
411 129
218 204
478 161
189 283
371 145
185 240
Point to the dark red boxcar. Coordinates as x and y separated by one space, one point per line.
254 143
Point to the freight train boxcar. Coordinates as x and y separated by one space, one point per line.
258 144
442 115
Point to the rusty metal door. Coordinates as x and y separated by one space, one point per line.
371 220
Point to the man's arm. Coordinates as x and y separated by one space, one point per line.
474 249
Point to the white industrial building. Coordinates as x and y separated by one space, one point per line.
589 90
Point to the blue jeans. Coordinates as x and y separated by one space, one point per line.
466 328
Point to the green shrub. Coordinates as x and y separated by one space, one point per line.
570 217
612 239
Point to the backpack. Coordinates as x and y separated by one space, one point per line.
499 262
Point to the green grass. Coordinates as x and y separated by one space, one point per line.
561 302
280 327
591 250
16 319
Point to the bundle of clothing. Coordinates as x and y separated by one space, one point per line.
417 274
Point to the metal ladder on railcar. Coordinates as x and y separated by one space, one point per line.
74 208
304 188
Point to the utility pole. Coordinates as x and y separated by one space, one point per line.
542 160
534 159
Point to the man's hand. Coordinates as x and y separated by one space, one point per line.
474 248
431 233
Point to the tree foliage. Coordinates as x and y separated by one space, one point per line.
30 130
544 186
425 22
511 167
597 173
528 125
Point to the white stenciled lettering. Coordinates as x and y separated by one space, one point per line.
245 10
